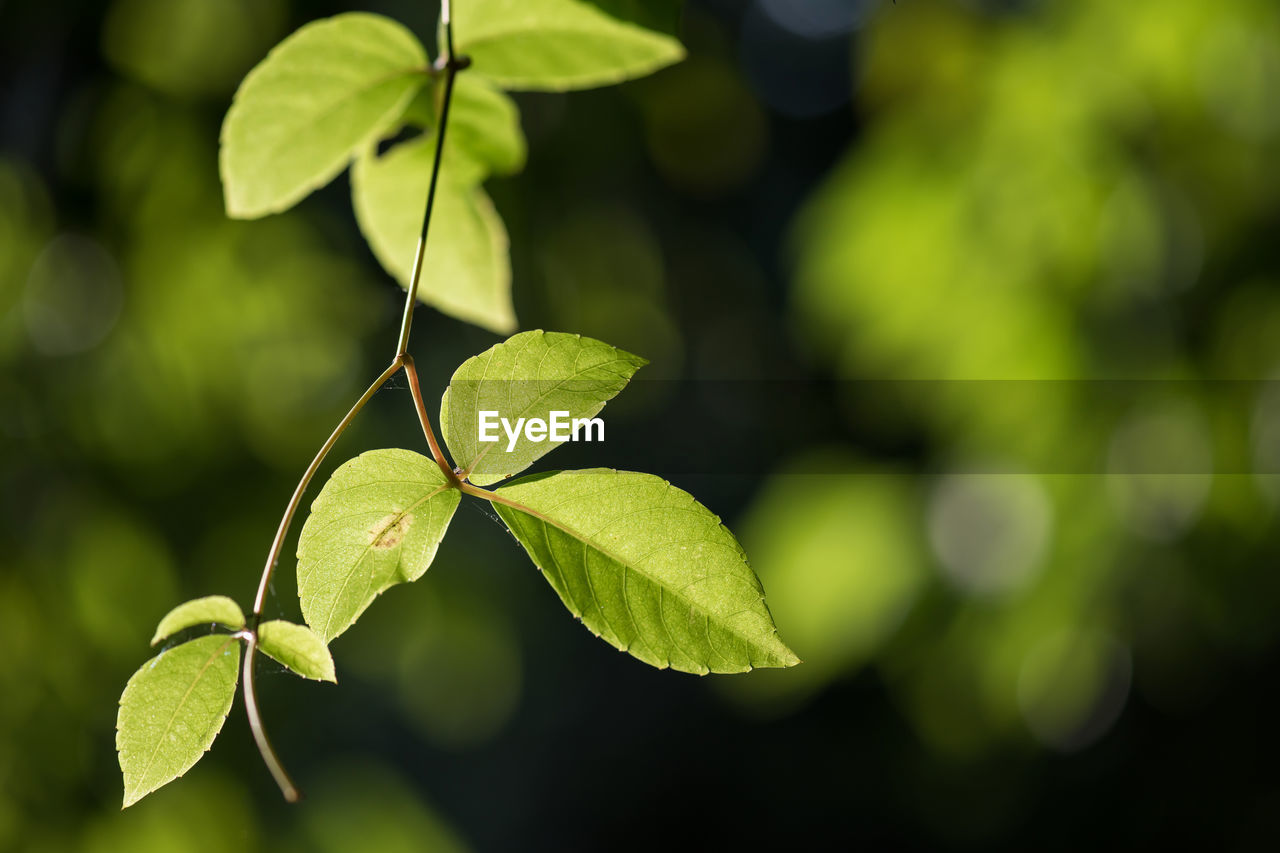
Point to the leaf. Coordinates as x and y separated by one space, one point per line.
647 568
172 709
557 44
484 129
298 648
529 375
200 611
466 270
375 524
321 95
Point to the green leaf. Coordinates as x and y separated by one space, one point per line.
375 524
298 648
200 611
647 568
557 44
321 95
529 375
484 129
172 709
466 270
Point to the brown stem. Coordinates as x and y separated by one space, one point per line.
436 453
452 64
269 756
282 531
499 498
287 788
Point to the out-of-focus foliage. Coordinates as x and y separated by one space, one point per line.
801 533
166 43
364 807
1049 199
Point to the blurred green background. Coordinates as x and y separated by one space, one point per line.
976 306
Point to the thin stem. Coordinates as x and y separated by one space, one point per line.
499 498
282 531
416 390
287 788
452 66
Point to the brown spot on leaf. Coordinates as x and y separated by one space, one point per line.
390 531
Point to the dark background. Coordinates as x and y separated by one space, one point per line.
1034 614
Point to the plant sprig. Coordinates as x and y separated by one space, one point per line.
641 563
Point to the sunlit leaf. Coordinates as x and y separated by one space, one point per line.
318 97
375 524
298 648
484 134
529 375
172 709
467 271
647 568
200 611
484 128
557 44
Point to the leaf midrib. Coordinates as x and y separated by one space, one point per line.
181 702
522 27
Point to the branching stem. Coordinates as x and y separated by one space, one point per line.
451 64
437 454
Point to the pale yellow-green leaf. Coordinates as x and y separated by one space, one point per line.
298 648
200 611
484 135
322 94
557 44
171 711
484 127
466 269
375 524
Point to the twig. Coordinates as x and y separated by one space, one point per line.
451 64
